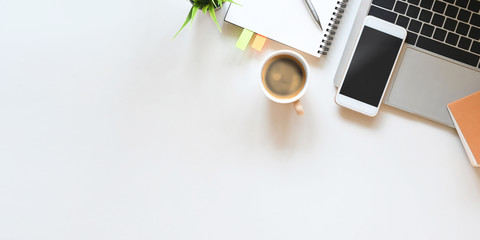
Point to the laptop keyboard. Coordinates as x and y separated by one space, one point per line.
450 28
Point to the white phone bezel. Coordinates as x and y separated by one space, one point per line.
388 28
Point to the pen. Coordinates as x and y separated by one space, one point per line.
314 13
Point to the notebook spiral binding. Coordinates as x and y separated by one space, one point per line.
332 27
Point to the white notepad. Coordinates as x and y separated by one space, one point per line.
286 21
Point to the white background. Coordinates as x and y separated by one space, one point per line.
110 129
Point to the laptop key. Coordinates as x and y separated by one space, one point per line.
465 43
475 20
415 26
439 7
413 11
462 29
388 4
382 14
411 38
452 38
402 21
474 33
464 15
427 30
437 20
474 6
450 24
461 3
427 4
425 16
414 2
451 11
447 51
401 7
475 47
440 34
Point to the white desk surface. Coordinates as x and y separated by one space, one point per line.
110 129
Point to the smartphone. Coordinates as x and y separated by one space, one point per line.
371 65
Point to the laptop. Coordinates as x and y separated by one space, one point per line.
440 62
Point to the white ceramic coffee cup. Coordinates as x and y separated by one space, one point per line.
295 99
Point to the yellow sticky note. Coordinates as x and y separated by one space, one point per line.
258 42
244 39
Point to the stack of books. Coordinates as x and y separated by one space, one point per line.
465 114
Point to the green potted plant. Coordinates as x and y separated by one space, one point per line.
205 6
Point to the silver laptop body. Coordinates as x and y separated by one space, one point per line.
424 82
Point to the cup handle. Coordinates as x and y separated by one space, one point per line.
298 107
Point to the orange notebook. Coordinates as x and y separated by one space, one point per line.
465 114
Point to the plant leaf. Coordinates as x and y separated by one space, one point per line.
194 12
214 3
189 18
205 9
214 17
231 1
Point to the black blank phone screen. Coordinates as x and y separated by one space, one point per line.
370 67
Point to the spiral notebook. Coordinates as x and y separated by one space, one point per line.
290 22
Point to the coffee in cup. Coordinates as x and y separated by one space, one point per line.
284 78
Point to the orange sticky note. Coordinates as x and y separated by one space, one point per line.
258 42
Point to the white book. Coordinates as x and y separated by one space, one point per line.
289 21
